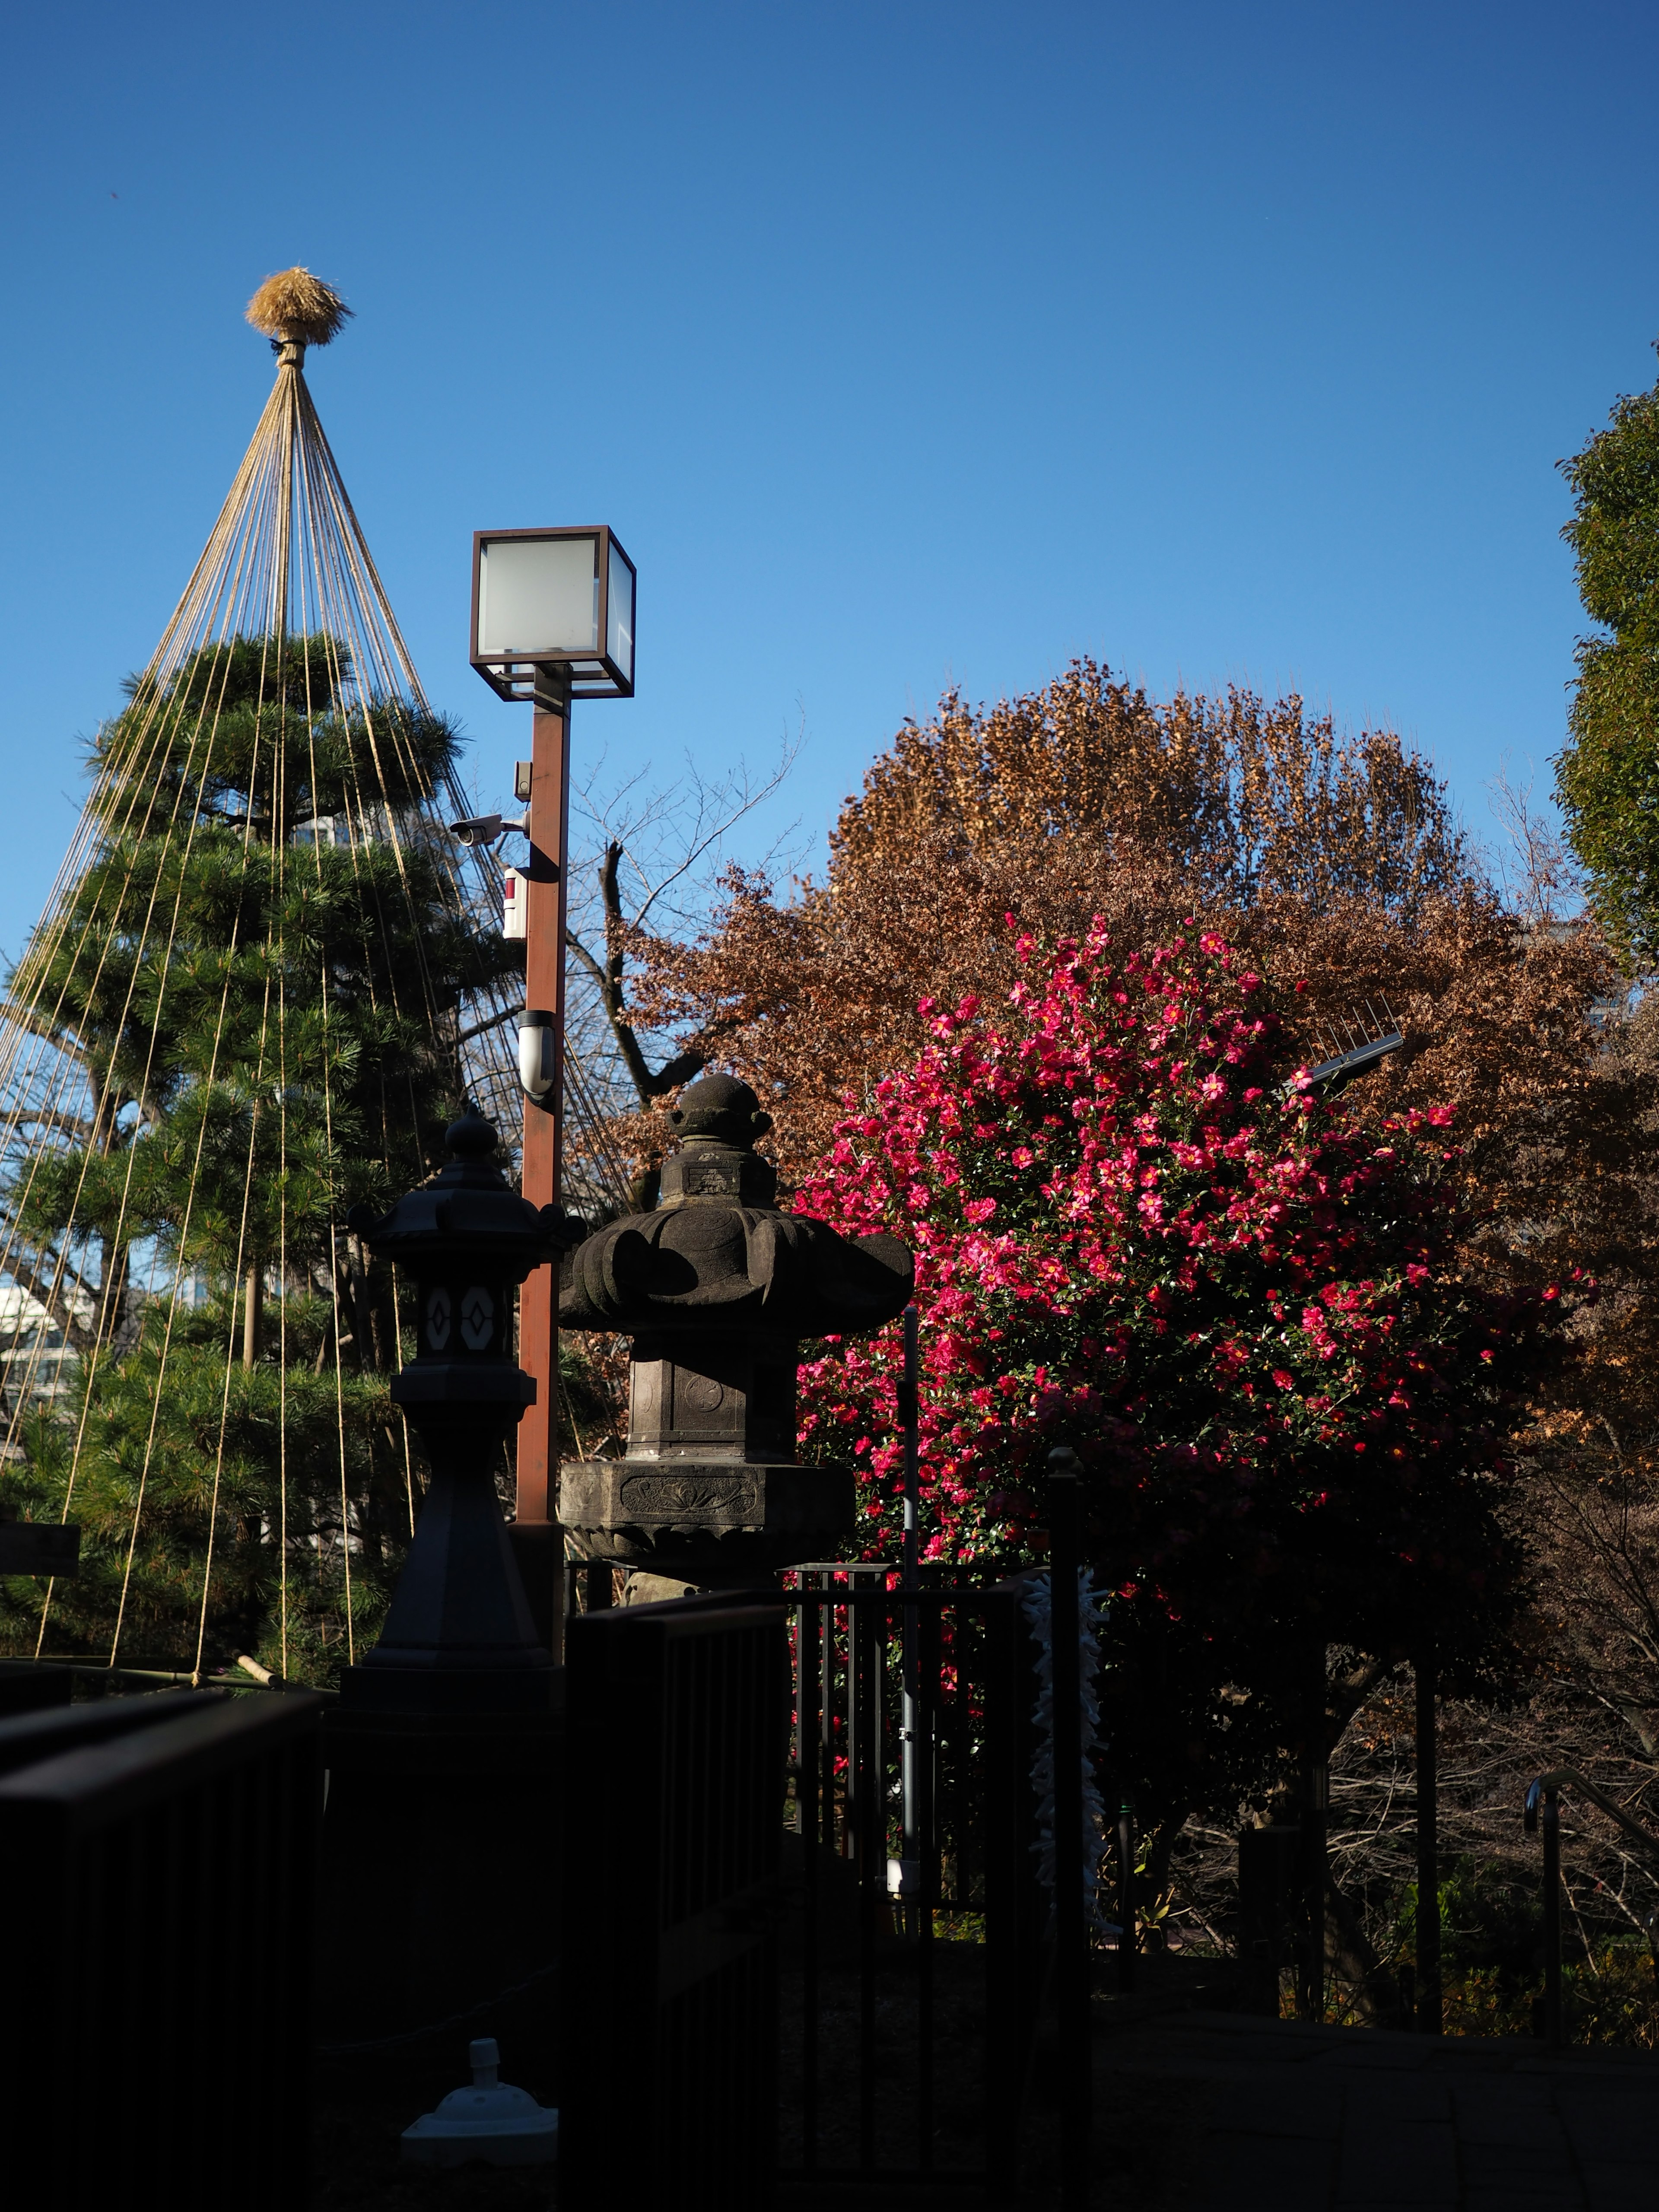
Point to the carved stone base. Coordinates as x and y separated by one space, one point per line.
711 1524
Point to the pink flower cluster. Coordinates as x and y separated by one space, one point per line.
1246 1315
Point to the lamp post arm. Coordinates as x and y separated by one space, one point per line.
1563 1777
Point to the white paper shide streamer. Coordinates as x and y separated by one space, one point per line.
1091 1604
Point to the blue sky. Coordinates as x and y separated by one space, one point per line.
902 344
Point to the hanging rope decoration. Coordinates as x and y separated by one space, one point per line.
1038 1604
265 971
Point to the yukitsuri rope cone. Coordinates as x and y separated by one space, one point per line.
263 975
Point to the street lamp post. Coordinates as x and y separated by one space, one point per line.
552 622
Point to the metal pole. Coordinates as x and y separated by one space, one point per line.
538 1542
864 1756
1552 1826
1127 1941
908 1417
809 1703
1430 2020
1316 1799
910 1846
1071 1927
927 1891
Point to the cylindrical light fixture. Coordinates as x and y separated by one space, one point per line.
536 1049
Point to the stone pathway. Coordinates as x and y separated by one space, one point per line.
1290 2118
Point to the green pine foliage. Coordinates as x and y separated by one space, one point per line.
266 1022
1607 773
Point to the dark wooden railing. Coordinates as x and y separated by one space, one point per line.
157 1857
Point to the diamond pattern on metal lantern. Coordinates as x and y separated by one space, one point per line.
437 1320
477 1320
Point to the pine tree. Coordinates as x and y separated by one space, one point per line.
258 971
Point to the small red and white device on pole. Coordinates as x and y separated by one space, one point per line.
514 902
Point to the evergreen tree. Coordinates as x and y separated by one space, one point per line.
258 971
1607 773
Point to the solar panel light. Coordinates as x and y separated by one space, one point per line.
553 613
1358 1047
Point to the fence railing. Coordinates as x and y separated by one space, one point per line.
918 1934
157 1856
677 1735
777 1958
1542 1816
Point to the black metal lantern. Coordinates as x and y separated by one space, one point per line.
553 607
458 1632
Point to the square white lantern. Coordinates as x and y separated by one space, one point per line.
553 609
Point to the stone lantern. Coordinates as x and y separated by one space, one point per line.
716 1287
459 1634
443 1752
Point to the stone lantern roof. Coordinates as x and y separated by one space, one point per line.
718 1251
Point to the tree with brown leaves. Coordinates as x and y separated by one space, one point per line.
1336 864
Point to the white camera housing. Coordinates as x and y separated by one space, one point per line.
536 1056
485 828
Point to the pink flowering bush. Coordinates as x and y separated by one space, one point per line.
1249 1315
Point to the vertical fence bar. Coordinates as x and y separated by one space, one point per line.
1070 1924
809 1705
797 1706
927 1854
909 1847
853 1755
1428 1994
970 1635
1315 1800
1128 1940
872 1863
1003 1785
826 1716
1553 2031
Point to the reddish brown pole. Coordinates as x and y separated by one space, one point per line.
536 1541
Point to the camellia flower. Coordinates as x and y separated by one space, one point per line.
1247 1315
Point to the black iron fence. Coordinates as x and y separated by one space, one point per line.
916 1940
804 1929
157 1857
1542 1816
678 1721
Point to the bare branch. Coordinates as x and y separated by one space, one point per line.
1540 877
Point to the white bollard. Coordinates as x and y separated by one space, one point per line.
491 2121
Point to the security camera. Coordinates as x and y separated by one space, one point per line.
485 828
